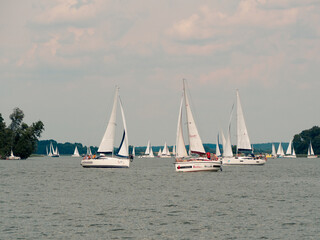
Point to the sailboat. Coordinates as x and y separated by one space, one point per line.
165 152
310 152
107 157
89 153
13 157
76 152
149 152
290 153
273 152
133 152
244 154
280 152
198 160
53 152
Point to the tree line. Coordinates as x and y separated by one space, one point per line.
302 140
19 137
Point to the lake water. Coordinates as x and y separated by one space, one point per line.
55 198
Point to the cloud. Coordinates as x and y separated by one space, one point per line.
68 11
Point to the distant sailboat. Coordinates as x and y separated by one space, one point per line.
89 153
149 152
198 161
13 157
244 149
290 153
76 152
107 157
310 152
133 152
165 152
54 152
280 152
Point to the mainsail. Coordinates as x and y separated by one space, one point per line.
218 153
243 141
288 152
180 146
107 142
148 149
195 142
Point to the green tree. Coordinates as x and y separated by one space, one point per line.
19 137
302 140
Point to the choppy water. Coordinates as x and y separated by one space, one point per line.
55 198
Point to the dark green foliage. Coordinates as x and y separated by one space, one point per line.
19 137
64 148
301 141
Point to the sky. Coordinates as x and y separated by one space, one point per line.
60 61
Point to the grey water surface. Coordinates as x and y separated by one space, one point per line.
55 198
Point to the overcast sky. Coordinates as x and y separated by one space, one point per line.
60 61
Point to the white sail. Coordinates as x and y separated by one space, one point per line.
133 151
293 152
159 153
124 146
223 139
195 142
227 152
147 152
51 150
310 150
218 153
107 142
280 150
274 153
288 152
89 153
76 152
180 146
243 141
174 150
151 155
166 151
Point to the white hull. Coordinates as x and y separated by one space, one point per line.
312 156
197 166
75 155
106 162
13 158
242 161
145 156
165 156
290 156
